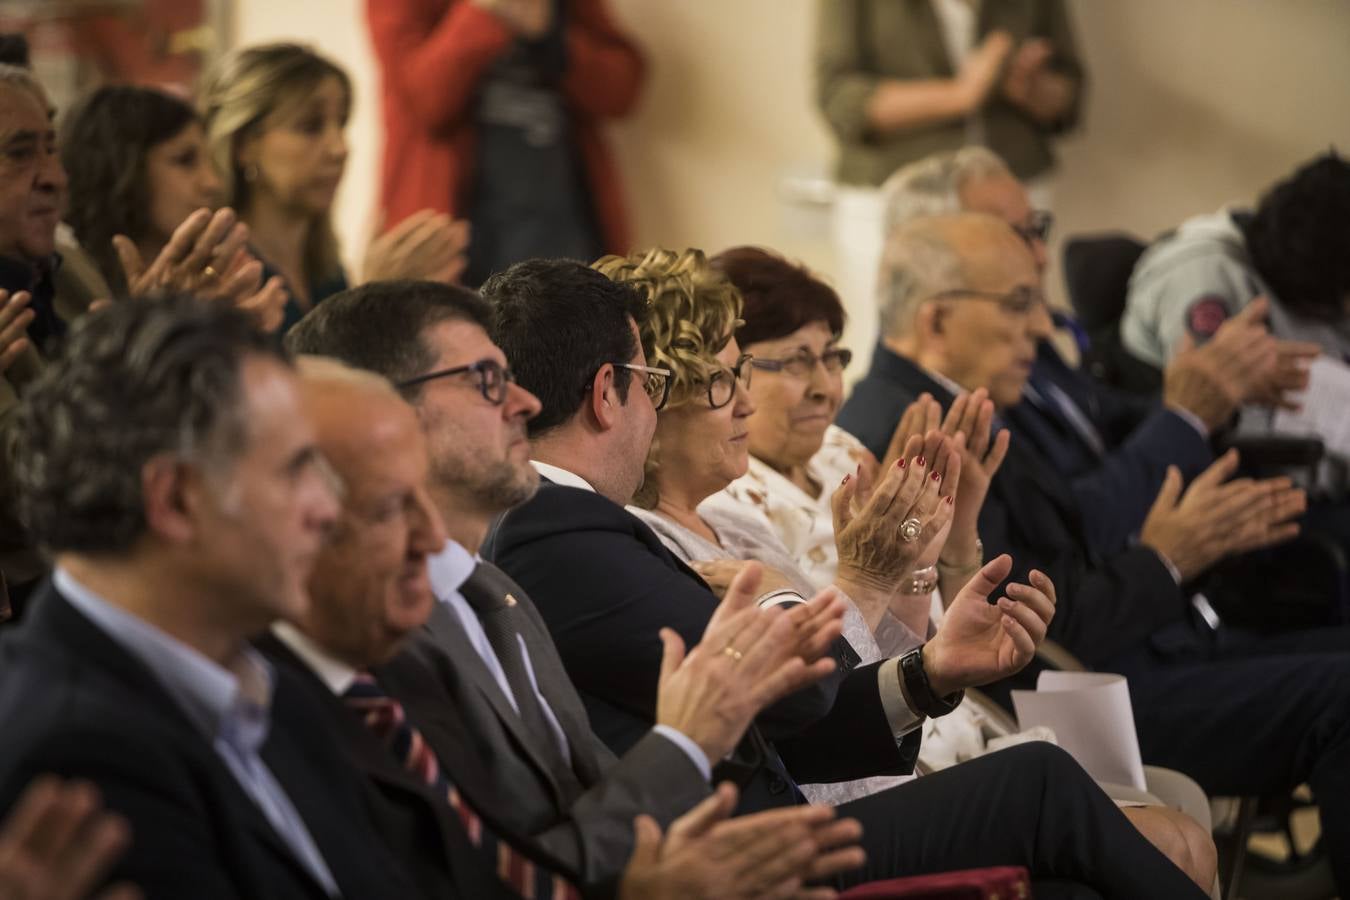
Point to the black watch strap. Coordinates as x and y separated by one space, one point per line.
920 690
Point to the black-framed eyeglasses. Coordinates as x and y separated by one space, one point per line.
722 384
655 382
1020 300
802 363
493 379
1037 226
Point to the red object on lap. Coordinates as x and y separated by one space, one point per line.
994 883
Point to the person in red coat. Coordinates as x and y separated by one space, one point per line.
492 112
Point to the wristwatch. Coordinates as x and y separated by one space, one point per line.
919 691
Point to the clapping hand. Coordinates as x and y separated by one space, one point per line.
15 317
707 856
979 642
426 246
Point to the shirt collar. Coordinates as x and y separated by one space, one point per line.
333 672
561 476
449 569
230 703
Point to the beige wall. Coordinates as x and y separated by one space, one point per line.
1192 104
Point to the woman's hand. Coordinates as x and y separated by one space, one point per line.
883 538
719 573
426 246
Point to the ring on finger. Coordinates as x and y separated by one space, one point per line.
910 530
733 653
209 271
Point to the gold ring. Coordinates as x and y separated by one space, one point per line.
210 271
732 652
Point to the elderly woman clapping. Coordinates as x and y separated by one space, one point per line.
702 444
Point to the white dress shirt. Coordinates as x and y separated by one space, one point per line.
448 570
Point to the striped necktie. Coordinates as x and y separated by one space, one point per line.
384 716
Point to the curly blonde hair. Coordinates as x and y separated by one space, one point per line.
693 311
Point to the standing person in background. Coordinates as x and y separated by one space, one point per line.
898 81
276 117
492 111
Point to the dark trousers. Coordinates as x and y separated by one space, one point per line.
1030 805
1250 714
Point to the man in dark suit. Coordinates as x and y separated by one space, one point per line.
164 461
604 583
370 589
483 678
1239 715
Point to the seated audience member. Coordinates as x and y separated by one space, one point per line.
57 843
1115 447
370 589
603 582
138 169
1240 714
1290 250
275 118
700 446
512 137
508 719
165 461
29 212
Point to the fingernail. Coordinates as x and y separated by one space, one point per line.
921 461
950 498
936 476
846 479
900 463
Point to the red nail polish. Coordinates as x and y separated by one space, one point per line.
950 498
936 476
920 460
900 463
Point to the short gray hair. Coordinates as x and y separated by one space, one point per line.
917 261
22 79
932 186
134 381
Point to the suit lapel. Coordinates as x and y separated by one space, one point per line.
451 641
54 614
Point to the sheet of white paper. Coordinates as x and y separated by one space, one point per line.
1324 405
1092 719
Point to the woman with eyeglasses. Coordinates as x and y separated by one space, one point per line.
703 443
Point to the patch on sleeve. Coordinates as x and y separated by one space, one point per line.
1205 314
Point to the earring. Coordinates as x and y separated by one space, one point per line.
250 172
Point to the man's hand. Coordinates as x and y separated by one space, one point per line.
979 642
749 657
15 317
970 423
706 856
207 256
426 246
57 844
719 573
1217 516
530 19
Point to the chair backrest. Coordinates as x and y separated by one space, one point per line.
1097 270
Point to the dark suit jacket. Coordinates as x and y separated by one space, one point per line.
585 817
418 827
74 703
605 584
1114 492
1107 603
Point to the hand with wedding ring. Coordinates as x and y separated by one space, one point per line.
885 535
208 257
748 658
